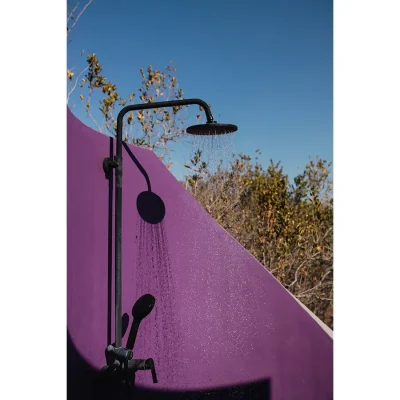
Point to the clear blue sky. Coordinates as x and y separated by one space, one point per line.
266 66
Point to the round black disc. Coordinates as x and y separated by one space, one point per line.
150 207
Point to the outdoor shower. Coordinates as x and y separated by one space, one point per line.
151 209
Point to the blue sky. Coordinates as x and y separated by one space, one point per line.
266 66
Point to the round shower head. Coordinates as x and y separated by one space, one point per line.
211 128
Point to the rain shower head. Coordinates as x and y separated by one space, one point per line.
211 129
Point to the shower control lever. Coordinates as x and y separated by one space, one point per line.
140 364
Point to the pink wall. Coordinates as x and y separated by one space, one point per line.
220 318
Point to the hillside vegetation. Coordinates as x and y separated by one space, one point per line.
287 226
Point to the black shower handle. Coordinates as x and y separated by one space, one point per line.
144 364
150 362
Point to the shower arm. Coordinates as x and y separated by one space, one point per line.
117 164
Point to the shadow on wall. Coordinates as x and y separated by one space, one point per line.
84 383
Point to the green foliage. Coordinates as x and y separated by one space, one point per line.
287 227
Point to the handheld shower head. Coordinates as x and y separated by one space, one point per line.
143 306
140 310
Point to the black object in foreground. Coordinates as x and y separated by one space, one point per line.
115 164
120 363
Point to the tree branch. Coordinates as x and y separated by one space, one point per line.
79 15
72 12
76 82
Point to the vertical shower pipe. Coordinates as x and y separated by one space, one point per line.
118 197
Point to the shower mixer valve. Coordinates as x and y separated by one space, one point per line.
120 362
119 354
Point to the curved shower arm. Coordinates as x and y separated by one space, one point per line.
160 104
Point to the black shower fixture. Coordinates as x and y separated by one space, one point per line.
150 206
